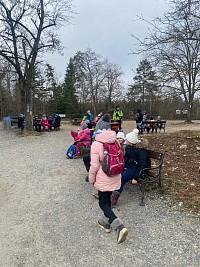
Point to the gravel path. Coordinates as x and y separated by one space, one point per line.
49 217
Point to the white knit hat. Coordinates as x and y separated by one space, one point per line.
133 137
121 135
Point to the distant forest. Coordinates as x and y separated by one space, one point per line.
166 80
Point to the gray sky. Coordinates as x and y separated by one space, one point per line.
106 26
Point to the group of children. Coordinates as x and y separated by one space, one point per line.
47 122
109 188
146 123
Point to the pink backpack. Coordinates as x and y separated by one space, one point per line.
113 160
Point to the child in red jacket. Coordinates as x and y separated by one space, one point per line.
82 138
45 123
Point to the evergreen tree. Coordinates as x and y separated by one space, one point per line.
51 90
69 90
145 86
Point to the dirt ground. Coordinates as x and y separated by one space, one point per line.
181 171
49 216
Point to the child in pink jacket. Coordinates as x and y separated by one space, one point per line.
103 183
82 138
45 123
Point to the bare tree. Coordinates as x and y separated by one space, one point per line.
173 45
27 29
7 86
113 85
97 79
90 75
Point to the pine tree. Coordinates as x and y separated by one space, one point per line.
69 90
145 85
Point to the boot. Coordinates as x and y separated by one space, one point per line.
87 178
104 224
122 232
114 198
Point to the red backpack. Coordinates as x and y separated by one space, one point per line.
113 159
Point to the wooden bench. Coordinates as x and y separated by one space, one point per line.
149 176
14 120
20 121
76 121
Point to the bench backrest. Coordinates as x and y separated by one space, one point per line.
156 155
156 159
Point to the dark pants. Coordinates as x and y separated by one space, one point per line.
127 175
120 124
105 205
86 160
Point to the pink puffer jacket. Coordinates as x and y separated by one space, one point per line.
97 177
85 137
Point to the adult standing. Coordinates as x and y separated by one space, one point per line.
118 116
89 119
21 121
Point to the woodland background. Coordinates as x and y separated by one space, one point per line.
166 80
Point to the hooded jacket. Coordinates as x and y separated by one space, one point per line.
84 137
97 177
137 156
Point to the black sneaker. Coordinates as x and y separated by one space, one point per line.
106 227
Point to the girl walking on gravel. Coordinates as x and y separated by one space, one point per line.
105 184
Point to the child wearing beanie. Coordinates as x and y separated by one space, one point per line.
121 138
136 158
104 123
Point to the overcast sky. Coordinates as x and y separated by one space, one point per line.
106 26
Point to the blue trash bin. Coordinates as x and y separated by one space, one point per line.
7 123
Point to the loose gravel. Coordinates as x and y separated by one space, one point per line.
49 216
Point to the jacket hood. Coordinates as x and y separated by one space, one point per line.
87 131
106 137
143 143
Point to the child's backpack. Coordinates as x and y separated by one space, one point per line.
71 152
113 160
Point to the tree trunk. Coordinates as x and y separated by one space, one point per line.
29 111
26 102
189 114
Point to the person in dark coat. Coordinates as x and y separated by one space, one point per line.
21 121
136 158
138 120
